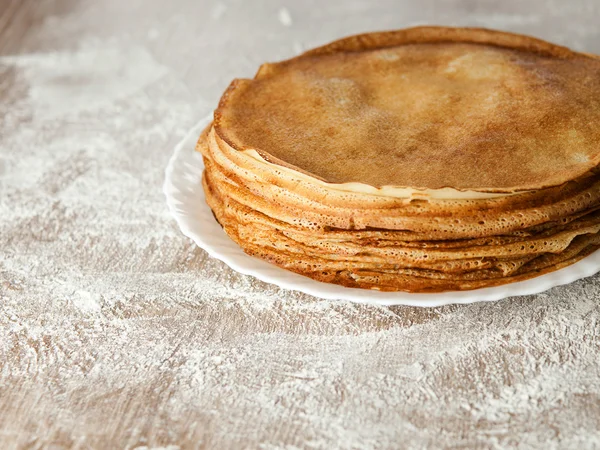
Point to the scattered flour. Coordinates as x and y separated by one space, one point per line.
65 83
285 17
218 10
115 330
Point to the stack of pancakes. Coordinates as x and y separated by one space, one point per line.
421 160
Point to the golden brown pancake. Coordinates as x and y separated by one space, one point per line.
275 196
422 160
425 108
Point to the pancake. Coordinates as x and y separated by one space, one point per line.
422 160
445 219
233 215
482 111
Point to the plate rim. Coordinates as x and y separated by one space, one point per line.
245 264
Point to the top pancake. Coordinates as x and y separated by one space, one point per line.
424 108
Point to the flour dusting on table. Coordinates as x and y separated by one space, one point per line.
115 330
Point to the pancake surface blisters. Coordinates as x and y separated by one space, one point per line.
423 160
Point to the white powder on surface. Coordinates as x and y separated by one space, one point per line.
116 331
285 17
68 82
218 10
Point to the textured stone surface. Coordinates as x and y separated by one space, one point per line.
117 332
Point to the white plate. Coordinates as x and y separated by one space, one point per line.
187 204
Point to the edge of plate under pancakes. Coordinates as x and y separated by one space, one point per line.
416 243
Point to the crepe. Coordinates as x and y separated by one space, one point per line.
480 117
422 160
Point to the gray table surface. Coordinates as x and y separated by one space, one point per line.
117 332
